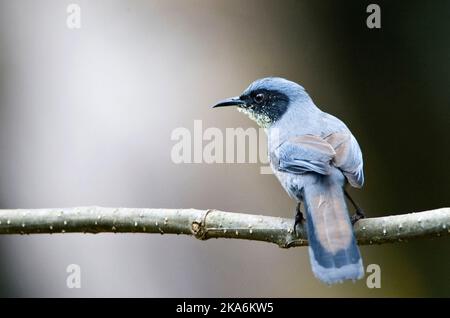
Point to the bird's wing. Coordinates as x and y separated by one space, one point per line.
348 157
310 153
305 153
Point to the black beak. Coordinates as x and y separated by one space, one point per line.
233 101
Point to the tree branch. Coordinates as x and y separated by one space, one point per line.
205 224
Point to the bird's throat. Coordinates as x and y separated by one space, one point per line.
262 120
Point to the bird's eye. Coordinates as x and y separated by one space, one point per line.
258 98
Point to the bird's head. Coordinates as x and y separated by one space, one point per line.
266 100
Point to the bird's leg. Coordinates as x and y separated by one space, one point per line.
299 219
359 213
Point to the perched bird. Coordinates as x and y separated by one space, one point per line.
314 155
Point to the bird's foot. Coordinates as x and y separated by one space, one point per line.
299 219
359 214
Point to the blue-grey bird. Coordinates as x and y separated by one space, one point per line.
314 155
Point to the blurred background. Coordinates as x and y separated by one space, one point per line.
86 117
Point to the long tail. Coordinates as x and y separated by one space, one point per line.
333 251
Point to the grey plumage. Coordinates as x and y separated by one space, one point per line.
314 155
